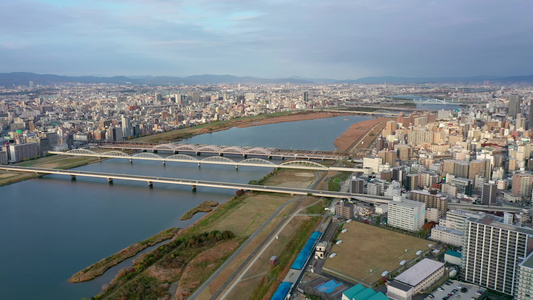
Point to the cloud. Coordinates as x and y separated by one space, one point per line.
338 38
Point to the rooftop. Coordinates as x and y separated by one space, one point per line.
414 275
528 262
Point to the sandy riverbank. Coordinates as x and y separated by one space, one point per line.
302 116
348 138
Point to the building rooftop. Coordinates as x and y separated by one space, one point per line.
414 275
498 222
354 290
446 229
528 262
453 253
400 285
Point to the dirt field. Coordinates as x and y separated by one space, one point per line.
291 178
347 139
244 220
365 247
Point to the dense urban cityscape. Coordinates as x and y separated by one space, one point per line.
444 182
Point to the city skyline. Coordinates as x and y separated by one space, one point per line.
339 40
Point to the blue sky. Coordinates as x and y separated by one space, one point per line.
341 39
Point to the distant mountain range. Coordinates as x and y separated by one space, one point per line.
23 78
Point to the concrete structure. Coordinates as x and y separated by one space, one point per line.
3 157
522 184
492 252
344 210
416 279
19 152
432 215
453 257
320 251
514 105
524 290
406 214
447 235
372 163
357 185
488 194
432 200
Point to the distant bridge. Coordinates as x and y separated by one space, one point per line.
217 160
176 148
436 101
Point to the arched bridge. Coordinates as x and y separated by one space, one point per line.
217 160
177 148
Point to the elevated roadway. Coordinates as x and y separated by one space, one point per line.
150 180
216 160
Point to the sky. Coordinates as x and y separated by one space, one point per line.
339 39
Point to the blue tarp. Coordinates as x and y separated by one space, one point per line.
282 291
298 264
328 287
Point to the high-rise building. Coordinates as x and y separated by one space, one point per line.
126 127
530 116
357 186
479 167
306 96
435 200
524 289
488 194
514 105
493 251
406 214
522 184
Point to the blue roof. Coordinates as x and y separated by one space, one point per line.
453 253
354 290
364 295
282 291
328 287
298 264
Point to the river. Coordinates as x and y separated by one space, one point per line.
52 227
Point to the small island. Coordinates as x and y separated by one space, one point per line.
100 267
207 206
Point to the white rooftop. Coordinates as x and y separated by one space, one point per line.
414 275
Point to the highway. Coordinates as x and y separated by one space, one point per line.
150 180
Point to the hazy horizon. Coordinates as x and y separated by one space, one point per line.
338 39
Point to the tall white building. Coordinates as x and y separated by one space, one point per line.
524 290
493 251
406 214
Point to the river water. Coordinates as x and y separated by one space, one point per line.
52 227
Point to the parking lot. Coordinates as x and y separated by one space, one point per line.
455 290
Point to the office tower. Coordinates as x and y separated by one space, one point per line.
493 252
158 98
126 128
306 96
514 105
406 214
520 123
488 194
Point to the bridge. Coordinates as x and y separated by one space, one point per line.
217 160
150 180
221 150
436 101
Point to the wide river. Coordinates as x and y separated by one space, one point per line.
52 227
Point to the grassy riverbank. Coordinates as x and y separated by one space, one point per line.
207 206
100 267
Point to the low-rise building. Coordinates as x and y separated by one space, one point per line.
344 210
447 235
415 279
